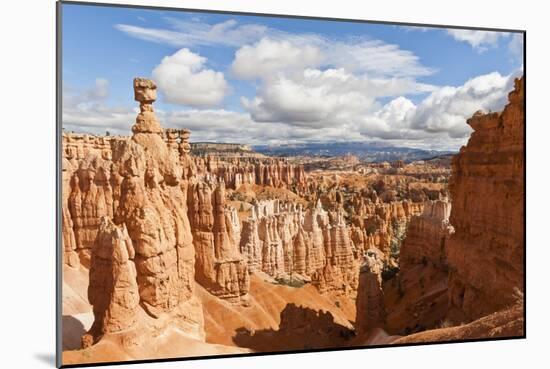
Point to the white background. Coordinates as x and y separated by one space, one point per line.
27 182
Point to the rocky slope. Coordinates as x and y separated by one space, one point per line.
508 322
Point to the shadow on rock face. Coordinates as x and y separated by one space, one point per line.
73 329
301 328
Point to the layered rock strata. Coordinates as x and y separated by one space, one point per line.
382 225
220 267
465 263
340 271
370 306
427 235
486 252
70 256
152 205
90 199
416 298
235 172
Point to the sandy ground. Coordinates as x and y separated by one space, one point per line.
172 344
223 320
77 312
378 336
78 318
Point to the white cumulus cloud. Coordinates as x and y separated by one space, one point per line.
272 56
442 115
446 109
184 80
323 98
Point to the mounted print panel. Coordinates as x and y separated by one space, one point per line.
244 184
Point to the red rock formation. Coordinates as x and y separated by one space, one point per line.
273 262
416 299
144 256
370 298
145 91
177 141
507 323
236 171
219 265
314 221
340 272
339 248
301 246
90 191
78 146
427 234
268 237
70 256
251 245
280 240
487 189
381 224
113 290
91 198
152 205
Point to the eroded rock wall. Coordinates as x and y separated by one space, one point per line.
220 266
235 172
70 256
369 304
427 235
416 297
487 187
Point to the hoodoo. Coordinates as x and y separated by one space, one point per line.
144 254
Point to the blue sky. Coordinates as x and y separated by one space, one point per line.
278 80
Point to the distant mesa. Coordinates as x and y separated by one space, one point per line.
223 149
214 146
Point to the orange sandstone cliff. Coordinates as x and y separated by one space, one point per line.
486 252
463 264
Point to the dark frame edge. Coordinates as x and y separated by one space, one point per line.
290 352
525 184
58 185
305 17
